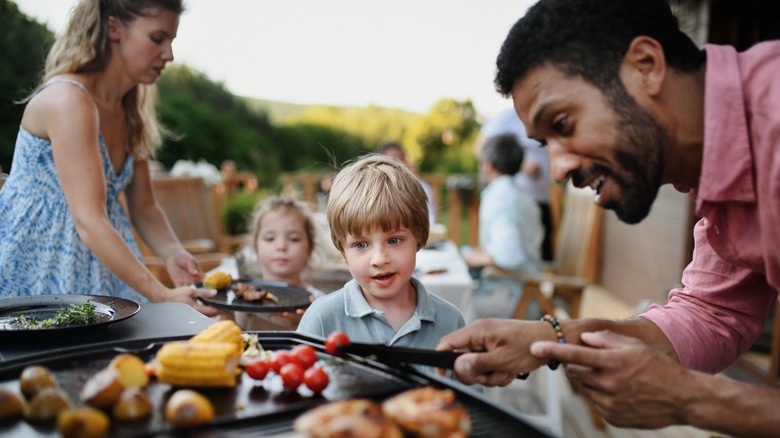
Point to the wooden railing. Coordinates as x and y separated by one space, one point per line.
458 211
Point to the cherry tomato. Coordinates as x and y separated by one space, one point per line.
316 379
292 376
280 359
257 369
304 355
334 340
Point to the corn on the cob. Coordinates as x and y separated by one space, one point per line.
198 364
222 331
217 280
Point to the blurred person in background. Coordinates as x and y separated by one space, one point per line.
534 175
396 149
510 229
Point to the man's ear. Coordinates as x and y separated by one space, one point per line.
112 28
644 66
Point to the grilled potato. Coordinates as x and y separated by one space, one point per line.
103 389
188 408
11 404
131 369
47 404
34 379
133 404
83 423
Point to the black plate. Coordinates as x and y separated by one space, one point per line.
108 309
291 297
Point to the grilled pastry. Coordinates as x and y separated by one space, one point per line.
347 418
429 413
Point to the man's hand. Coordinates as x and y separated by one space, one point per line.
630 384
499 349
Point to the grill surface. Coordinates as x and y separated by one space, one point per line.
268 410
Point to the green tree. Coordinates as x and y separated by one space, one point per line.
23 43
214 125
446 137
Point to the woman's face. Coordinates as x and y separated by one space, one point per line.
143 46
283 246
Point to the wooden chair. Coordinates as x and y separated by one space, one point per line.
187 204
559 291
575 261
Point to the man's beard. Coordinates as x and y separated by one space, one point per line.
638 151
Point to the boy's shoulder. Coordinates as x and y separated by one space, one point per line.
442 308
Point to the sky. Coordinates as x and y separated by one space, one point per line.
404 54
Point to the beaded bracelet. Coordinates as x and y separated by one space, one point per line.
553 364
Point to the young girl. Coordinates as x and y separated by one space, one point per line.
282 241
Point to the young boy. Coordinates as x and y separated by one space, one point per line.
379 220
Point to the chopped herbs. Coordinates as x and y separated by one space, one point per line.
67 316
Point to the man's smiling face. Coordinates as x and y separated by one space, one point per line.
604 140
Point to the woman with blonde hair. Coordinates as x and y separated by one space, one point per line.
86 137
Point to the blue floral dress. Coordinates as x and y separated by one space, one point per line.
40 250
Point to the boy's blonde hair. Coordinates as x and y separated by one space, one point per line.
281 203
376 192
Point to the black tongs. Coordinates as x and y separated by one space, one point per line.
385 354
395 355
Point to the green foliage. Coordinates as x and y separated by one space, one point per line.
446 137
23 43
238 209
213 125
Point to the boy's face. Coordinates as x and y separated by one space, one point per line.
382 262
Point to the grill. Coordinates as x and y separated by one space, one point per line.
267 409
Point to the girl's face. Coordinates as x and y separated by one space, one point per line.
283 247
382 262
144 45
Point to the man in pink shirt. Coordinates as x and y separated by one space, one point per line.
626 102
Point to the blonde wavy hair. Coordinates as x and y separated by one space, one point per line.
84 47
376 192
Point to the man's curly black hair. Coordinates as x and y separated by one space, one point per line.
589 38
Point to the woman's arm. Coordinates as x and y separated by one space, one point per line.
68 117
71 123
153 227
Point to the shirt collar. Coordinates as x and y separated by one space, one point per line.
726 138
356 306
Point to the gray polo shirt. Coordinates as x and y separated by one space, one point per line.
348 311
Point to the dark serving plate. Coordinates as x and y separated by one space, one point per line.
108 310
291 297
260 408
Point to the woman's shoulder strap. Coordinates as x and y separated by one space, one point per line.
66 80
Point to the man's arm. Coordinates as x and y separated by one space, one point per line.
633 385
500 348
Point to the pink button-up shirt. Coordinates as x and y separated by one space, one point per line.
734 277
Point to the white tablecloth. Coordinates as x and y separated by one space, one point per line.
444 272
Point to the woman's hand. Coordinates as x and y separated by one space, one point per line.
189 295
183 269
